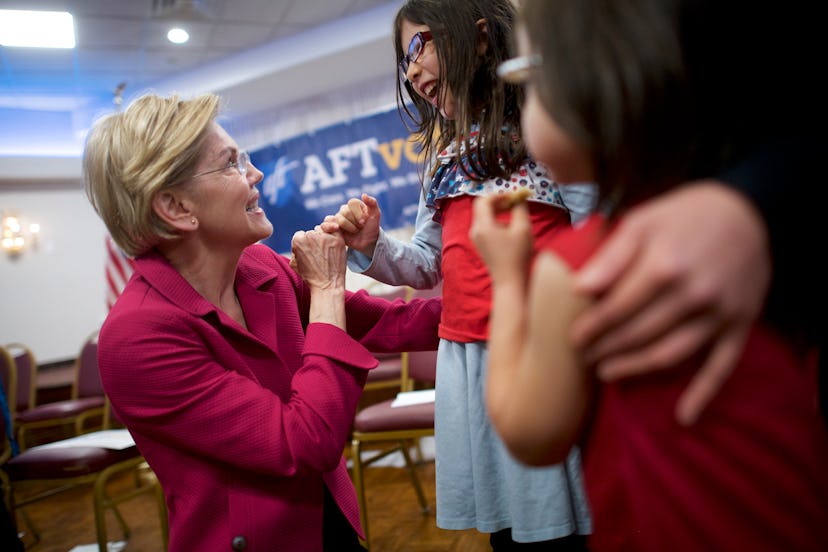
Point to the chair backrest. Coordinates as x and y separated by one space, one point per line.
26 389
420 366
87 376
109 421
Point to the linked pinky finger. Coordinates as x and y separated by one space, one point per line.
329 226
346 225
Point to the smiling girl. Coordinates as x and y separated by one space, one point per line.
469 124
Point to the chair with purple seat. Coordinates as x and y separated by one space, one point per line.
83 411
396 428
43 471
19 376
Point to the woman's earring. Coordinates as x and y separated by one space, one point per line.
193 220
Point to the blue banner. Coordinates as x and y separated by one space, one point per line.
310 176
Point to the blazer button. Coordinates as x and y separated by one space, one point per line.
239 543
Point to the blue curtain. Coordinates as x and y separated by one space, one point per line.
4 406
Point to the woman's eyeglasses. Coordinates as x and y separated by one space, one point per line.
516 70
240 165
415 50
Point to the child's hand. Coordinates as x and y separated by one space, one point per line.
505 246
359 222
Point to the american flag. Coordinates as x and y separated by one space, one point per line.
118 271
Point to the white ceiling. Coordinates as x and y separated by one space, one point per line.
258 54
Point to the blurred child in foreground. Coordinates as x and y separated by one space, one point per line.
749 474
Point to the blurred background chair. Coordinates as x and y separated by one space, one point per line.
388 375
18 375
44 471
396 428
82 412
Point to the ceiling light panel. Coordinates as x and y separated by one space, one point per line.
37 29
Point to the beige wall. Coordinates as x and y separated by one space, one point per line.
51 297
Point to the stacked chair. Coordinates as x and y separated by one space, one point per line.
82 412
40 472
388 375
395 429
26 365
43 471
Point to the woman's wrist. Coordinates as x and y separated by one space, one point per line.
328 305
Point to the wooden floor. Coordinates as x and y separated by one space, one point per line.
396 521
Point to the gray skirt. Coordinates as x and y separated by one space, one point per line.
479 485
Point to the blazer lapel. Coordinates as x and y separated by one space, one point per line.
259 306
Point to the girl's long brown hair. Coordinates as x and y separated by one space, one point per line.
480 96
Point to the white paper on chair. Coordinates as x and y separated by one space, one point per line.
409 398
115 439
110 546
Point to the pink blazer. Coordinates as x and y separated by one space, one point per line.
244 428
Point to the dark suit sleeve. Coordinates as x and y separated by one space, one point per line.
785 181
753 68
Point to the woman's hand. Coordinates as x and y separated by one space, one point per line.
320 259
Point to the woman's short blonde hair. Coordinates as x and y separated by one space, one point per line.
130 156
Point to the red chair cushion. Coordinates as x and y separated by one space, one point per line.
383 417
389 368
59 409
59 463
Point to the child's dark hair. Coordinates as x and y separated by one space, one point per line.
612 76
480 96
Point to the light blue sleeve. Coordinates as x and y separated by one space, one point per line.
579 199
415 263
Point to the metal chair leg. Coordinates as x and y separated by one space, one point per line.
359 485
27 521
415 479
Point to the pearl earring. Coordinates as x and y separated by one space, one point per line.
193 220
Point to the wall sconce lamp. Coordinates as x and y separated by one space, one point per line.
13 239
